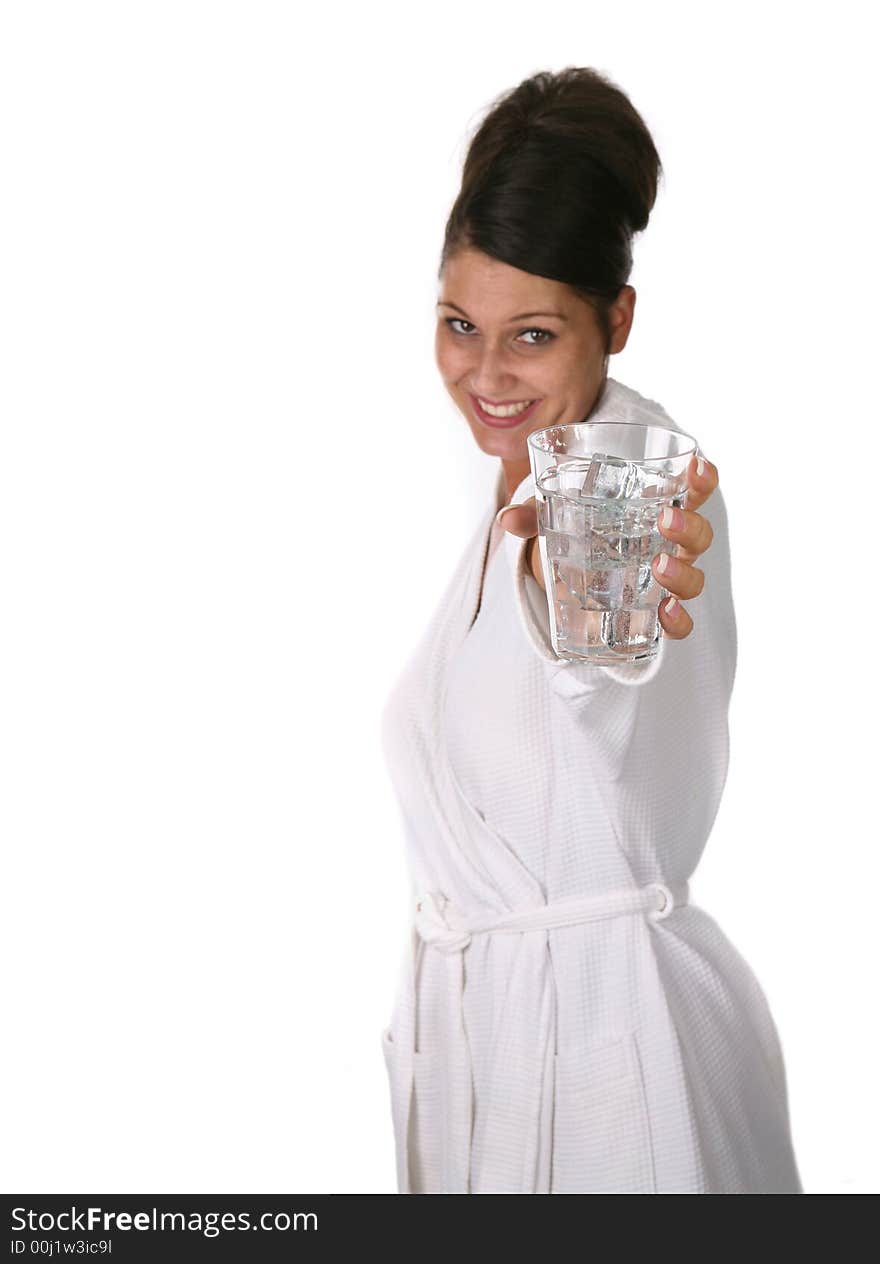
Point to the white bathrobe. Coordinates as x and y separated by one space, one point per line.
566 1019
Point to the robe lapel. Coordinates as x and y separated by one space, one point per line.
504 883
476 869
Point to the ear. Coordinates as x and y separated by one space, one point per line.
622 313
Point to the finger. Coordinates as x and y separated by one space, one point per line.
521 520
700 485
677 576
675 622
689 530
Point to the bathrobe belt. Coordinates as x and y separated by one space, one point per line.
447 929
444 927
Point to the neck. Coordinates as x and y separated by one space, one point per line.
514 473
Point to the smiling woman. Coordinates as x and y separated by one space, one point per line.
567 1019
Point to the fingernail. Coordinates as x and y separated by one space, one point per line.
671 604
503 510
662 563
673 518
701 466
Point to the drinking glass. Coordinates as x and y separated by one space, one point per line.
599 490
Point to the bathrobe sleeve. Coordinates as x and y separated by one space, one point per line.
688 682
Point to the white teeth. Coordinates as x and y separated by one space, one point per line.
507 410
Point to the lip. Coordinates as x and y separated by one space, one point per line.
503 423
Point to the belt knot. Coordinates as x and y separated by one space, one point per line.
435 920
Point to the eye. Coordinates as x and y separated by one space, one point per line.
455 320
545 334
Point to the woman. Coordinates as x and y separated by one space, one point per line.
566 1020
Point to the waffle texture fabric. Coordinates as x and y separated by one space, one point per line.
615 1040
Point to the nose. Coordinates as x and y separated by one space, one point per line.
491 377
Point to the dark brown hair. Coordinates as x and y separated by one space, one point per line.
558 177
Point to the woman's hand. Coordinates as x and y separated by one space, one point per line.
690 532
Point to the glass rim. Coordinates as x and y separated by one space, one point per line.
532 437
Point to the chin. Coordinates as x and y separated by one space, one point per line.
508 444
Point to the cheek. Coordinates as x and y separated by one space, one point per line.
452 361
564 379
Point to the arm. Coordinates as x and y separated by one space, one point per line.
682 694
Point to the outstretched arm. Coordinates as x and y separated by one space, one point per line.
690 534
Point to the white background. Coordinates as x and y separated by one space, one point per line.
233 489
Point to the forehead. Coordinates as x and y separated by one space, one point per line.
498 288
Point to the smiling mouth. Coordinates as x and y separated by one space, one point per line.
503 416
504 407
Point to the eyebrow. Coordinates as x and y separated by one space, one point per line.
522 316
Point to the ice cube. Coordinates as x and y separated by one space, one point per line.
590 479
616 478
611 477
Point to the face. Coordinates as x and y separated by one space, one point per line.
508 338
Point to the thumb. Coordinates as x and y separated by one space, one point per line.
521 520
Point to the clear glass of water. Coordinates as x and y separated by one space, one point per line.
599 490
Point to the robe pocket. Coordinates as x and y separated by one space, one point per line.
430 1110
399 1071
439 1123
601 1127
